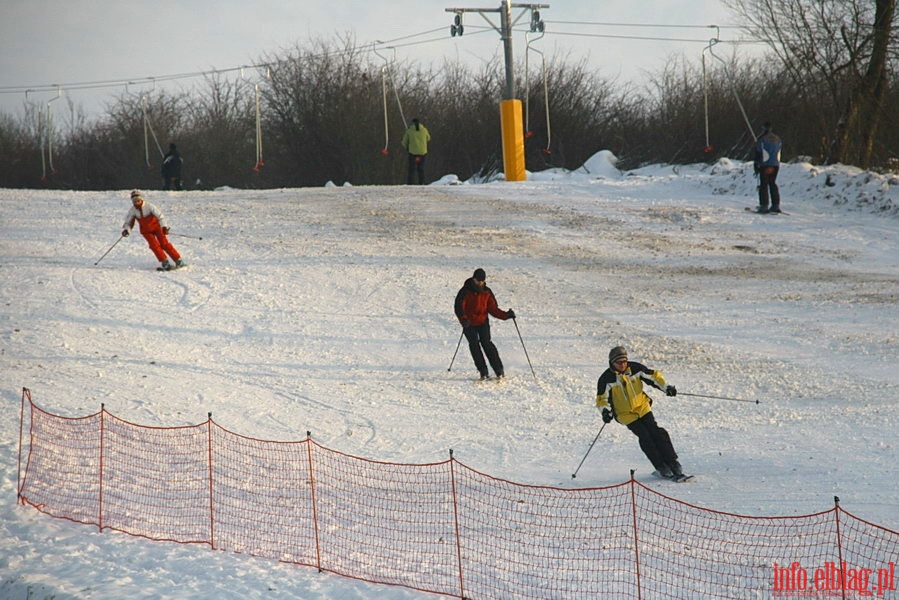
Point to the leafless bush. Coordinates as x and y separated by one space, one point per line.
323 108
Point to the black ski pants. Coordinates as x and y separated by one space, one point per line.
416 168
478 337
768 185
654 441
171 183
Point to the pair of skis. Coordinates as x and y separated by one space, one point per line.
675 478
174 267
755 209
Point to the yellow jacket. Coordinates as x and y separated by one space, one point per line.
624 391
416 139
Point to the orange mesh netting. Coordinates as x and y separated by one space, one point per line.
440 527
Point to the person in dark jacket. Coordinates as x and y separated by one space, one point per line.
473 303
171 169
767 165
619 392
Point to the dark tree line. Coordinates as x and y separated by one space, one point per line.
322 113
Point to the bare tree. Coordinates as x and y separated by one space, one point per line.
219 139
844 45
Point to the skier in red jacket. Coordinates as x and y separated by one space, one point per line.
473 302
154 228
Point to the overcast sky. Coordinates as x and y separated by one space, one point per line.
78 41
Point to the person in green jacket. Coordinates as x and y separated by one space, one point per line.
415 141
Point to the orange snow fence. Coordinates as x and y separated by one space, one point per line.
443 527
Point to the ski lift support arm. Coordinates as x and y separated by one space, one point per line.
712 42
504 30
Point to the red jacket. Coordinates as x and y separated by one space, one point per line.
473 302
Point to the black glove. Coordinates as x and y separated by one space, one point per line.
465 323
671 390
606 415
125 233
165 230
510 313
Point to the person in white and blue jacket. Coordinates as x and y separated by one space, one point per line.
767 164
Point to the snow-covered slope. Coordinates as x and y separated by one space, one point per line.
330 310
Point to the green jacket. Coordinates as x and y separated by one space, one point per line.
416 139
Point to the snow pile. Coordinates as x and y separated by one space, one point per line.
838 186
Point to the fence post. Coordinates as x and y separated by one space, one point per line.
318 550
636 537
209 469
452 462
25 392
836 516
102 464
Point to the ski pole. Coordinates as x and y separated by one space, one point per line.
108 251
573 475
523 346
456 352
717 397
193 237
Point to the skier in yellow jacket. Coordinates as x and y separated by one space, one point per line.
415 141
620 387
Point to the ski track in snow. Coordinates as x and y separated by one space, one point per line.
330 311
